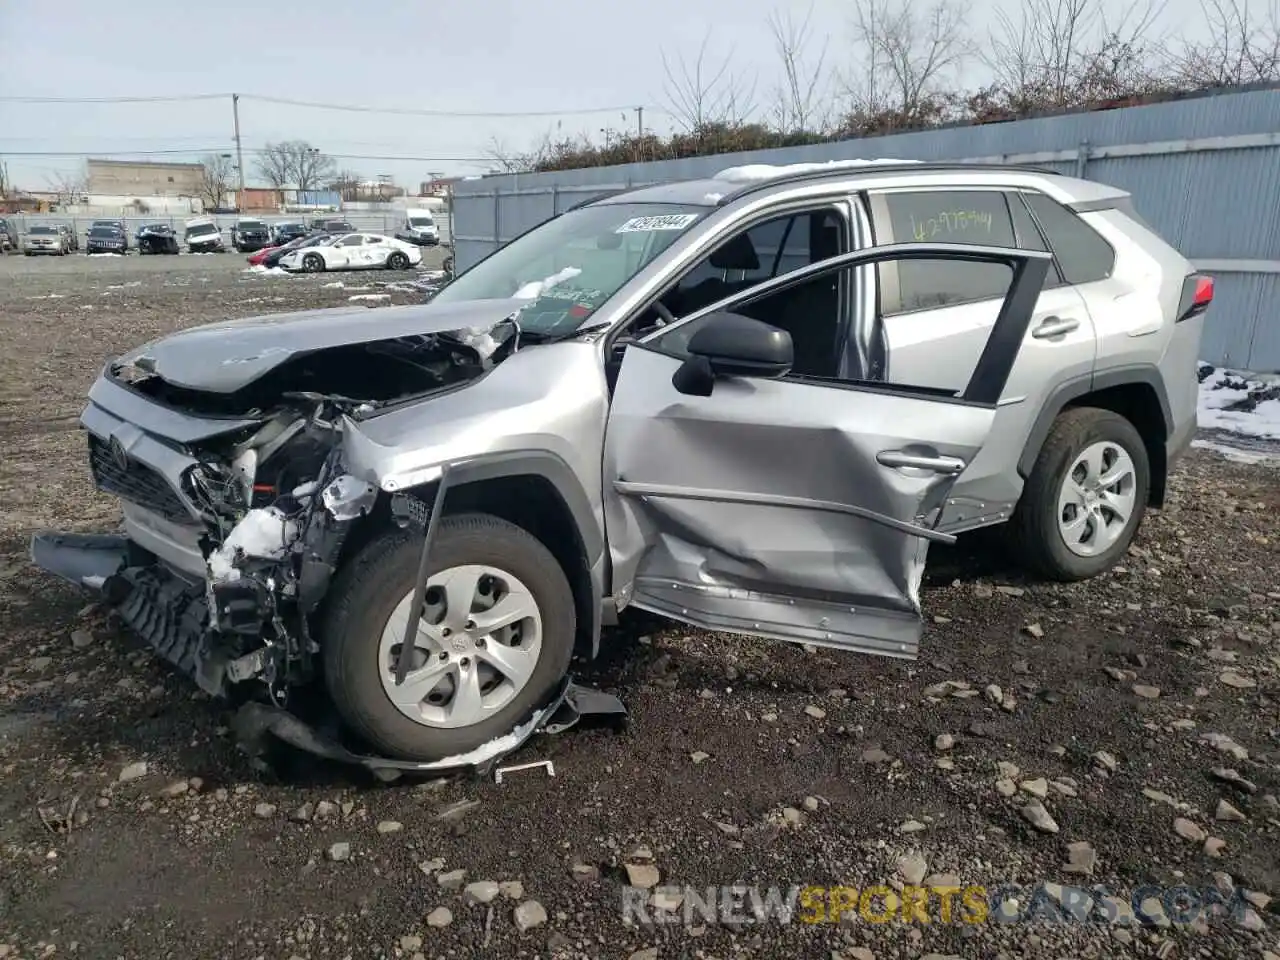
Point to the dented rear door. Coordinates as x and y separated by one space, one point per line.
795 508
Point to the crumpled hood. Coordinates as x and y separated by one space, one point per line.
225 357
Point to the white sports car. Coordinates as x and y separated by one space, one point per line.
354 251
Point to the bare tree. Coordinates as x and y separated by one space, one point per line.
799 101
294 163
506 160
910 49
67 188
216 177
1059 53
699 94
1242 47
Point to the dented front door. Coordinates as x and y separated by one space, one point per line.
788 508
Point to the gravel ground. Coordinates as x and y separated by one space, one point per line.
130 826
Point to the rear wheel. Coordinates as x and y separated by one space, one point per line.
1085 497
494 637
397 261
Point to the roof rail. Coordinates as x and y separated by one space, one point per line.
928 166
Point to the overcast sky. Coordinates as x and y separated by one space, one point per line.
473 56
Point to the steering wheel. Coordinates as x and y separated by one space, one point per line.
666 315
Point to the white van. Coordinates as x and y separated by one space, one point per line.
419 227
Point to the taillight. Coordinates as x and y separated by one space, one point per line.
1197 294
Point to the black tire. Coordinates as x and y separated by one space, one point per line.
367 591
397 261
1033 531
313 263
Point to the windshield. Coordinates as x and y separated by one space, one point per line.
421 222
289 227
201 229
42 230
104 232
252 225
571 265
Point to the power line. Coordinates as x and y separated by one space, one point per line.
346 107
172 99
405 111
109 154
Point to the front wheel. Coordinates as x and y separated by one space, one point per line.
1085 497
313 263
494 637
397 261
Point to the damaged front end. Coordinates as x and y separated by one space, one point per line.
238 500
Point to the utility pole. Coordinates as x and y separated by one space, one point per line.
235 113
640 132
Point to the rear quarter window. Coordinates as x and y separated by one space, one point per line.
1082 255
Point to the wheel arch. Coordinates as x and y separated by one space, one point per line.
1136 393
538 491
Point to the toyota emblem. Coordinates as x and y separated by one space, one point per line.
117 452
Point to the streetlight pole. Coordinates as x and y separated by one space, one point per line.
235 114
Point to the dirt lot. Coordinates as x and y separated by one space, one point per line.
744 762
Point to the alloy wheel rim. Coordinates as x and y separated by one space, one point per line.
478 642
1097 498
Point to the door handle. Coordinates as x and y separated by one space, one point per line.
1055 327
900 459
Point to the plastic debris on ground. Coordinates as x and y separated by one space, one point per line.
258 726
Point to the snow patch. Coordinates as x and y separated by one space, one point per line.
713 197
102 254
754 172
121 286
262 271
266 533
531 291
49 296
336 285
1238 403
370 296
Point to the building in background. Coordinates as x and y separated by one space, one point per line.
437 187
144 179
260 200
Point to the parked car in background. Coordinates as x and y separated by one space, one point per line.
354 251
248 235
9 239
330 225
419 228
69 235
117 224
202 235
282 233
270 257
106 239
45 238
157 238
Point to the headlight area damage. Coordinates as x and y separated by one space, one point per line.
270 507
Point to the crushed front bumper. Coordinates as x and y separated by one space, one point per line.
170 614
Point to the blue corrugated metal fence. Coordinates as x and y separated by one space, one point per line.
1204 172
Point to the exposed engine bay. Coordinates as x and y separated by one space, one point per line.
276 502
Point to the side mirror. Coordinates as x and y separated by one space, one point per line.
731 345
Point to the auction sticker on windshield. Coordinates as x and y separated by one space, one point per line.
670 221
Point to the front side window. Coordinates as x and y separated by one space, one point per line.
814 312
570 265
978 217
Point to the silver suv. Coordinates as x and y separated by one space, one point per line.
748 403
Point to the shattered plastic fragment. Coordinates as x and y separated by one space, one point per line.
531 291
348 497
265 533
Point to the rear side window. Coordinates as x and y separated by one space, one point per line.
942 216
1082 255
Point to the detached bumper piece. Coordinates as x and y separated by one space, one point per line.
259 726
168 613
